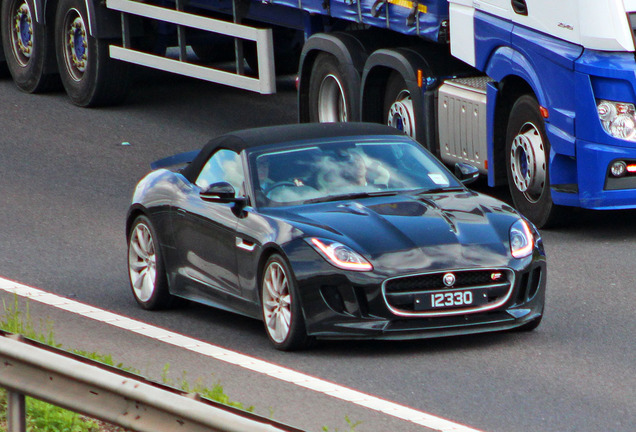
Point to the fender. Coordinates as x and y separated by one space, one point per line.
407 62
351 54
506 62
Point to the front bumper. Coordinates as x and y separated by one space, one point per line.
343 308
596 189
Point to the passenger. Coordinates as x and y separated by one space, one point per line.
361 173
356 172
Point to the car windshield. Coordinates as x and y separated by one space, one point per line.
343 170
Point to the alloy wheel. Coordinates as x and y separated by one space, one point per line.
142 262
277 310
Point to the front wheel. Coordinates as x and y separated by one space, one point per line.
527 161
146 269
530 326
28 48
90 77
282 313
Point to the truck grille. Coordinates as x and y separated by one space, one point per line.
470 291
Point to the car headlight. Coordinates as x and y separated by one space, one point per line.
521 239
340 255
618 119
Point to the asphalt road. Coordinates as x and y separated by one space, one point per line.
67 177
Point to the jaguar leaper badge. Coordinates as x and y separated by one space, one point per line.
449 279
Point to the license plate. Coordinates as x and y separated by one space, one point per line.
450 299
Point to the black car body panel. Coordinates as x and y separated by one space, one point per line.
214 251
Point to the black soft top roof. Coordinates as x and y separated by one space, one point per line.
248 138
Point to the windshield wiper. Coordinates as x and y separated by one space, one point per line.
352 196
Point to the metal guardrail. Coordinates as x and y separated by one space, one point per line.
28 368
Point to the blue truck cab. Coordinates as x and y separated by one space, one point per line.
577 59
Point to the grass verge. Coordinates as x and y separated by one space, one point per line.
43 417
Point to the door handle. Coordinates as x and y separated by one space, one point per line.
520 7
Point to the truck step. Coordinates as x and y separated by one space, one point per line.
462 121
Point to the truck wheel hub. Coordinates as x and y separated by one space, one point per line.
23 34
402 115
527 162
332 106
76 52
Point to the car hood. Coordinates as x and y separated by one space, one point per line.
410 233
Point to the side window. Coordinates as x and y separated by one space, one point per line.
223 166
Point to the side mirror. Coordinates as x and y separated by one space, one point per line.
220 192
466 173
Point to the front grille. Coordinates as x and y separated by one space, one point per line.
435 281
428 295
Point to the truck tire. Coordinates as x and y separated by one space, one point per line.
527 153
398 105
90 77
28 49
329 95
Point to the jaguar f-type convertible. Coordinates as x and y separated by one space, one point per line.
333 231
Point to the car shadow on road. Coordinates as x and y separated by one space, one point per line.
366 348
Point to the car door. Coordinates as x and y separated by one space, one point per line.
205 234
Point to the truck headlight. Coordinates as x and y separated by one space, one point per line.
618 119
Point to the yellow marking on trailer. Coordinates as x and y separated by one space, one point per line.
409 5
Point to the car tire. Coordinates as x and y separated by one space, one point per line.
530 326
527 156
329 96
146 270
398 105
90 77
28 51
282 314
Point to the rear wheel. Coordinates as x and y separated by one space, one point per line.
398 106
527 153
282 314
28 48
329 99
146 269
89 75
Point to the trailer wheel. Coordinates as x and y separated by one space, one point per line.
27 47
398 105
527 152
329 97
89 75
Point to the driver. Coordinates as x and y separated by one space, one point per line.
262 169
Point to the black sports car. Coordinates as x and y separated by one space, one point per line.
333 231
